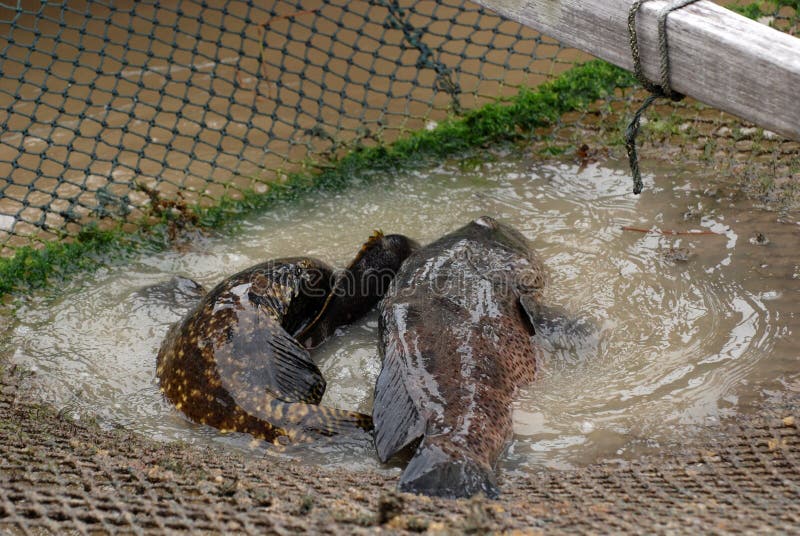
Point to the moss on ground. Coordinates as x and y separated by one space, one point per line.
31 267
510 119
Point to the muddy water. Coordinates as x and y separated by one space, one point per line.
686 328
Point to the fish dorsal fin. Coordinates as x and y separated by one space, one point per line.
266 363
555 321
373 241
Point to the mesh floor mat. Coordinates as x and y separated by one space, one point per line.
57 474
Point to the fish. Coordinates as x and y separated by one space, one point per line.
456 342
235 361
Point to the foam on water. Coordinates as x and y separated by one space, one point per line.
686 328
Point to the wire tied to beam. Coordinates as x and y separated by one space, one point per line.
662 90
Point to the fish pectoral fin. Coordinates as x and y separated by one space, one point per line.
398 422
553 320
532 309
269 361
189 287
179 291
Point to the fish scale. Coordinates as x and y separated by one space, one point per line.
235 362
455 341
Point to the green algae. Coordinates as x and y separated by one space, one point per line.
31 268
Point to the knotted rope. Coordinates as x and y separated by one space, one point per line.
662 90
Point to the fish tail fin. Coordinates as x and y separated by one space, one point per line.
435 473
314 422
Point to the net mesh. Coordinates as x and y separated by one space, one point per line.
107 106
57 474
110 108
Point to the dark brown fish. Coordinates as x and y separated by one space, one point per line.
235 362
357 288
455 342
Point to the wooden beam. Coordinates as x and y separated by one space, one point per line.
716 56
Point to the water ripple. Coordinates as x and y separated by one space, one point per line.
674 338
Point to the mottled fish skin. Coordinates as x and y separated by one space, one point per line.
455 344
226 363
235 361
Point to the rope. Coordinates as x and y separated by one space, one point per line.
664 89
444 79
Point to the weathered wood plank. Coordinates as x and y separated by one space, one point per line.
716 56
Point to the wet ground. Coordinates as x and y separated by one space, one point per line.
688 328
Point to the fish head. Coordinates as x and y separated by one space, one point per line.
487 228
514 263
377 263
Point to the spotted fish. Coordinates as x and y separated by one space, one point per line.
455 333
235 363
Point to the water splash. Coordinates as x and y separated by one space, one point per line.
677 340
